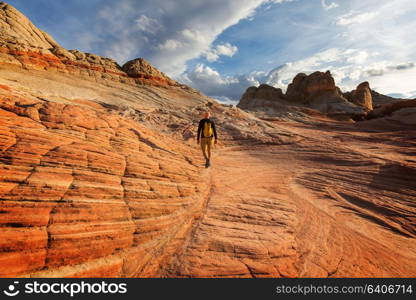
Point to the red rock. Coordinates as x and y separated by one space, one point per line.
361 96
306 87
317 91
5 87
74 189
388 109
260 97
100 177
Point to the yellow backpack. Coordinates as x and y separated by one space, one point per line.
207 129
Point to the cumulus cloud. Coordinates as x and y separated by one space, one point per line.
226 49
328 6
230 88
383 76
354 18
393 77
372 41
359 40
147 24
226 89
170 45
170 33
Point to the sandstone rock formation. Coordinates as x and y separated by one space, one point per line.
388 109
17 30
317 91
398 113
140 68
305 88
23 45
327 206
260 97
95 176
87 193
380 99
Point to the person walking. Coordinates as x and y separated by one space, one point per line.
207 136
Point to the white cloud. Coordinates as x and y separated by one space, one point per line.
170 45
383 76
211 56
324 60
86 40
358 58
374 42
396 82
226 49
192 35
147 24
120 51
169 34
351 18
328 6
210 82
359 40
350 67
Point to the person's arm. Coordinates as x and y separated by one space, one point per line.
214 130
199 131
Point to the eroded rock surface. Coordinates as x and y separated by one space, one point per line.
317 91
361 96
100 175
88 193
303 210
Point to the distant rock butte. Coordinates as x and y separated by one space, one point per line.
140 68
402 112
361 96
305 88
317 91
262 96
380 99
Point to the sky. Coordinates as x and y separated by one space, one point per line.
222 47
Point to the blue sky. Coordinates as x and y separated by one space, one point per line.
221 47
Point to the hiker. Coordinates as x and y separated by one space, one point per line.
207 135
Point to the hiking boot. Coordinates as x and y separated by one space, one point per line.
207 164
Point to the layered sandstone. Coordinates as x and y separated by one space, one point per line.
361 96
399 113
345 209
140 68
96 176
89 193
317 91
18 30
380 99
100 175
89 189
305 88
260 97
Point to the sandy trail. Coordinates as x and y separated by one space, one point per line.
302 210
